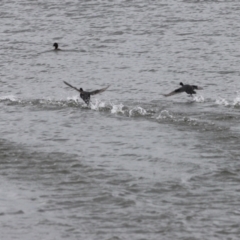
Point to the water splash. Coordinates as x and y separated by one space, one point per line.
222 101
236 102
198 98
9 97
164 114
97 105
73 98
117 108
137 111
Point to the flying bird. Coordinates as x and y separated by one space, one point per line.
189 89
87 95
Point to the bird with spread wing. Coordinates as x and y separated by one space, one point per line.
87 95
189 89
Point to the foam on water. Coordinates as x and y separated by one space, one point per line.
133 111
137 111
118 108
164 114
236 101
222 101
9 97
100 105
198 98
97 104
73 98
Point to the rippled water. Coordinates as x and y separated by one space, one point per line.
133 164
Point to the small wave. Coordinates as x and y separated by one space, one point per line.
118 108
164 114
198 98
179 120
137 111
74 98
236 102
222 101
194 122
98 105
9 97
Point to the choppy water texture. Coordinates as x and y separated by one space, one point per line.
133 164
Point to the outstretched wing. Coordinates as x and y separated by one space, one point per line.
71 86
197 87
179 90
99 91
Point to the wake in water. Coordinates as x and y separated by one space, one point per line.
9 97
96 105
222 101
115 108
236 102
198 98
228 103
160 112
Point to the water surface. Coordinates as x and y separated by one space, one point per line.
133 164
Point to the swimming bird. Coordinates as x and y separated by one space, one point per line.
56 46
85 96
189 89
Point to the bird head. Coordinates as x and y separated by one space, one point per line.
55 45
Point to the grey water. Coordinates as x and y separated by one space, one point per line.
133 164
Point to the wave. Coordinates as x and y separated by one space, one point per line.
229 103
98 104
222 101
8 97
119 109
160 112
198 98
236 102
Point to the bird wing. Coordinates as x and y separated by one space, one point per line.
197 87
71 86
179 90
99 90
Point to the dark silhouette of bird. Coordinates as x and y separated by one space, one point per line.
55 45
189 89
87 95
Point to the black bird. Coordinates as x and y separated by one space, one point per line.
85 96
56 46
189 89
